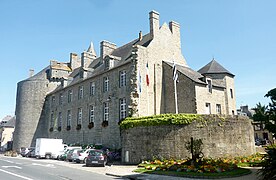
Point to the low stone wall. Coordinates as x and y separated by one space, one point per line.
232 136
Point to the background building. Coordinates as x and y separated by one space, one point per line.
6 133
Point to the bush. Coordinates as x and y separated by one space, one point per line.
269 165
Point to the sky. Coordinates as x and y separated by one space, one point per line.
239 34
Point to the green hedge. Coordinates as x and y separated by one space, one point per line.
172 119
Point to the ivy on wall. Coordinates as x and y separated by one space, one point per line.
171 119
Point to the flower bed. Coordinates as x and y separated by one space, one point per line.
223 167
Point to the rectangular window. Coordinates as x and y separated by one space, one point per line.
231 93
91 114
69 117
122 108
122 78
59 119
208 108
106 84
52 120
106 111
60 99
218 107
209 82
79 118
92 88
80 92
70 95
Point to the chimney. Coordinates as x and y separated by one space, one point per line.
31 72
174 27
107 48
154 23
140 36
74 61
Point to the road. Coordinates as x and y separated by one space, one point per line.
14 168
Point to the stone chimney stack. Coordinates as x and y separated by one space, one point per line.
175 29
154 23
74 61
31 72
88 56
107 48
140 36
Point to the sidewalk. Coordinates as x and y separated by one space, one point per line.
127 172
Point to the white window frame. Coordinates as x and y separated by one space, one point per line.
123 109
70 95
91 113
122 78
59 119
208 108
218 108
80 92
79 116
69 117
106 84
106 111
92 88
60 98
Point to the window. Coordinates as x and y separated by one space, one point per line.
231 93
106 84
69 117
52 120
218 107
209 85
122 108
208 108
122 78
92 88
70 95
53 100
80 92
91 114
106 111
233 112
60 99
79 118
59 119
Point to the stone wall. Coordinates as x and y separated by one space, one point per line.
233 136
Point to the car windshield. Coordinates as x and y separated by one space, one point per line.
96 153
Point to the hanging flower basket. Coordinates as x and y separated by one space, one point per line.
91 125
59 128
105 123
51 129
78 127
68 128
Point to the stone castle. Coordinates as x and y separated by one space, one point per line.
82 101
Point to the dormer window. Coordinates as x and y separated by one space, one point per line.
106 63
209 85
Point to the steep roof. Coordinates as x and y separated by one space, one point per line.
8 123
214 67
188 72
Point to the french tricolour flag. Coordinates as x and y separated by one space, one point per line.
147 75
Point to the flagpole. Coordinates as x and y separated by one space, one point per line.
175 97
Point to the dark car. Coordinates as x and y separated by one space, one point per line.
96 157
31 153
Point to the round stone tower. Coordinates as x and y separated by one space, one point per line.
30 99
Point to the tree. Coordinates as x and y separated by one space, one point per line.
271 122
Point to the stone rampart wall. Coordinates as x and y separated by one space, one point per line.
233 136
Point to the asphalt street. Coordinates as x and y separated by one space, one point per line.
42 169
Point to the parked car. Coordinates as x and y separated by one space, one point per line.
31 153
24 151
96 157
70 154
81 155
63 156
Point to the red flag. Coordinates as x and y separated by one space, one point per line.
147 75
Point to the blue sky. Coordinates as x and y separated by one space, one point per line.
239 34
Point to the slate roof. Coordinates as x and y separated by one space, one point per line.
214 67
188 72
9 123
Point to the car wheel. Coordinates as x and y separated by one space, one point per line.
47 156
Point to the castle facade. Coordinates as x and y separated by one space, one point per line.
83 101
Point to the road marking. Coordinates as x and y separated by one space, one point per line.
17 175
12 167
44 165
6 161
